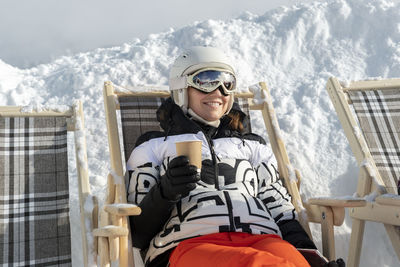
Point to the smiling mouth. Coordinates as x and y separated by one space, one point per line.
213 104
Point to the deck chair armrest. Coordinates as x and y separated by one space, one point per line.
327 217
389 200
318 207
336 202
110 231
329 212
122 209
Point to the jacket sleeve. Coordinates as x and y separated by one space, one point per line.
278 201
293 232
144 190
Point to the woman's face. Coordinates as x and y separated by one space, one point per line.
211 106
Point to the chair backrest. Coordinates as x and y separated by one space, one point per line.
370 114
34 189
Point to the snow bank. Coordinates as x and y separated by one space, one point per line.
294 49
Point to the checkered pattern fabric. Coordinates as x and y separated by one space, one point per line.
34 210
378 112
244 106
138 115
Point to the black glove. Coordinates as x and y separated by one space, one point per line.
179 179
337 263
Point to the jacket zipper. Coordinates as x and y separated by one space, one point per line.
214 159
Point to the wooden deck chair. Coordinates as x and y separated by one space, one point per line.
34 189
369 112
137 115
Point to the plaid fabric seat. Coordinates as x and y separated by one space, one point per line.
138 115
378 113
34 195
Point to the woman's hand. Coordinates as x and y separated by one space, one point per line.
179 179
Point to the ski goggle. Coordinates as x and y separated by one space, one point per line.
207 80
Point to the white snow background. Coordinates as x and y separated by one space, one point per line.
294 49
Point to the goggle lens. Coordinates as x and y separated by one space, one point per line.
209 80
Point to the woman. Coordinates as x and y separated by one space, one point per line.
235 211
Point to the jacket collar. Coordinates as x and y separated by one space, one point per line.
174 121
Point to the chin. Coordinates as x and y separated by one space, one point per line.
214 118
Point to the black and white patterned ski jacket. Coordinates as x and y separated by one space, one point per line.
239 190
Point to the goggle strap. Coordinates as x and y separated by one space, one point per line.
178 82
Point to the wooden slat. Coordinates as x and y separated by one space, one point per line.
83 180
372 84
279 149
356 238
17 111
110 230
390 200
386 214
123 209
334 202
144 93
328 238
125 247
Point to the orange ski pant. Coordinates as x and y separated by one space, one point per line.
236 250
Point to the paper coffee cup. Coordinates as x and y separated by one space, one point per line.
191 149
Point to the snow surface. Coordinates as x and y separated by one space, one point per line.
294 49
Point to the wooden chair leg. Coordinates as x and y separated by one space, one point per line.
114 248
95 220
328 238
104 252
357 233
126 258
103 243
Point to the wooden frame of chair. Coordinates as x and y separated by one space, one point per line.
75 122
328 212
384 208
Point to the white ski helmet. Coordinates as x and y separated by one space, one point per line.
190 61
